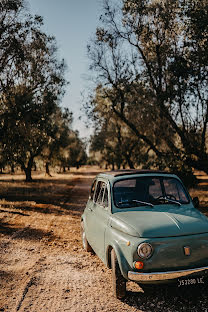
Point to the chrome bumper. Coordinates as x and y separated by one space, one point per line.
162 276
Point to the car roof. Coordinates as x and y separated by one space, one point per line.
127 172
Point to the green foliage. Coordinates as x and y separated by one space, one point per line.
150 61
77 152
112 141
32 84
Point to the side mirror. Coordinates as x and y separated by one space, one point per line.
196 202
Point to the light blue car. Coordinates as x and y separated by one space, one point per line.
146 228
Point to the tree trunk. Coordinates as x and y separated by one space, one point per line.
28 174
47 169
28 169
129 161
201 164
12 168
118 166
34 166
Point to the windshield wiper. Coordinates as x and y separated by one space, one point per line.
143 203
137 201
171 200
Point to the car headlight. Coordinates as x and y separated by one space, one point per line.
144 250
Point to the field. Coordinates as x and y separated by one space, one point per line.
42 264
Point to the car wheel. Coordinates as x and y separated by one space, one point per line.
119 282
85 243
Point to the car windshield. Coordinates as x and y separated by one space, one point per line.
149 191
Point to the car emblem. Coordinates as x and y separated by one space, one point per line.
187 251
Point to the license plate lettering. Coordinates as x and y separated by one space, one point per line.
190 281
200 280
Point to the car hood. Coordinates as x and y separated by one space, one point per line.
158 223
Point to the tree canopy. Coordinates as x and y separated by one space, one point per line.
150 61
32 83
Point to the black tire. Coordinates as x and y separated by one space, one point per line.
85 244
119 282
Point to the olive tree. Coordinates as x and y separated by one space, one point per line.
150 57
116 143
32 83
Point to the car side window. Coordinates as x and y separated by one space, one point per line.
92 191
97 192
101 196
105 198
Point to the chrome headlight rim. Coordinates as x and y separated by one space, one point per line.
139 250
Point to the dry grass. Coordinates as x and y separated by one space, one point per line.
35 210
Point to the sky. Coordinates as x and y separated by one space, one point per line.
73 23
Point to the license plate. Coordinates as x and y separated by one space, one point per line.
190 281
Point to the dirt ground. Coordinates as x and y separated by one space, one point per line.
43 267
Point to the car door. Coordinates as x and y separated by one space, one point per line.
89 214
100 217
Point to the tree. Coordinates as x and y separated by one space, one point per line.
77 151
157 50
115 146
12 34
60 138
112 138
32 83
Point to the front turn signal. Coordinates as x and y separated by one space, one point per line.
138 265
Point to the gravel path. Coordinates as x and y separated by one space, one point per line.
44 268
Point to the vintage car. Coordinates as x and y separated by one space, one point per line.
144 225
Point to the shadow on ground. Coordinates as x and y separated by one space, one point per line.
26 233
49 196
169 298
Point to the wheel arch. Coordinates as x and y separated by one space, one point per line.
82 218
123 264
108 256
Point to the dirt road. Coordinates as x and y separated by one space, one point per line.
43 266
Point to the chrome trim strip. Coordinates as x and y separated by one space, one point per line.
162 276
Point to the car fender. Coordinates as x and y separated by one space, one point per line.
123 264
83 219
